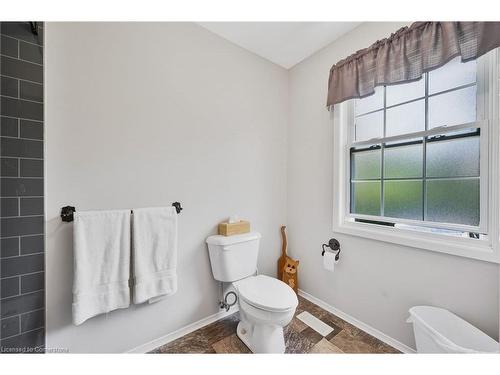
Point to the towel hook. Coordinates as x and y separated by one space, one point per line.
177 206
67 213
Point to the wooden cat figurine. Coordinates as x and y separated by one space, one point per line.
283 257
290 273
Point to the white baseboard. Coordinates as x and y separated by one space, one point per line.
165 339
357 323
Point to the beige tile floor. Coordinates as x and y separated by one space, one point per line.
220 337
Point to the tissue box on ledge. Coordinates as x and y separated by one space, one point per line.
229 229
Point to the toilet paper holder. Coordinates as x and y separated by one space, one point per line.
334 246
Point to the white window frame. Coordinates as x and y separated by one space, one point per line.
487 249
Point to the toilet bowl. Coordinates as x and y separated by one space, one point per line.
266 306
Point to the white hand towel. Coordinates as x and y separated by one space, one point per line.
101 263
154 253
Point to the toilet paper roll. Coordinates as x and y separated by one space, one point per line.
329 261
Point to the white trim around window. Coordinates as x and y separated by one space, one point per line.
487 249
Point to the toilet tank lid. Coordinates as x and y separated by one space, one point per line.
452 330
231 240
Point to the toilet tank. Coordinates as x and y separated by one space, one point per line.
233 257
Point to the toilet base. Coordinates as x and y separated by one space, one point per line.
262 338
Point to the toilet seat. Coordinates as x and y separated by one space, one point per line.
266 293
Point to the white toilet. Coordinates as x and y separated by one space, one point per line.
266 304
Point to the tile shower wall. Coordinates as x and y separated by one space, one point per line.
22 224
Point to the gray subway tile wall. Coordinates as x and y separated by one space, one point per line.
9 87
21 304
9 247
9 46
10 287
21 69
31 206
31 168
30 52
9 207
18 147
21 187
8 166
22 281
32 282
21 108
11 326
9 127
32 244
30 91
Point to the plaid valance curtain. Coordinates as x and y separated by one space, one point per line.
407 54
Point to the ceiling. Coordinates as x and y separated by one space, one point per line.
283 43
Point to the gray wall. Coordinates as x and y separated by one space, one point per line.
144 114
22 207
375 282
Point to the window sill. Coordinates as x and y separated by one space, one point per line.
464 247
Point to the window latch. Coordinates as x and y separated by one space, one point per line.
436 137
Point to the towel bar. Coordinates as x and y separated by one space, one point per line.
67 211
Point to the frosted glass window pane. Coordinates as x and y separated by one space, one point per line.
403 199
453 158
403 162
366 164
453 108
366 197
369 126
404 92
406 118
370 103
451 75
453 201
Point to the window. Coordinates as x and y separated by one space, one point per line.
417 155
415 151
